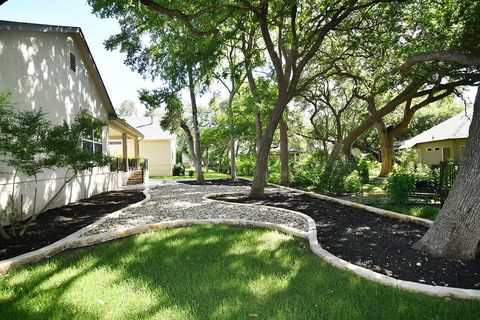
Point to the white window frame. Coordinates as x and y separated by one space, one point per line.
95 141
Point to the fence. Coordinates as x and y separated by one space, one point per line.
119 164
448 173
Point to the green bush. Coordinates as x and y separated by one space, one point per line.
274 170
246 165
178 169
363 168
400 185
336 182
353 182
427 179
308 172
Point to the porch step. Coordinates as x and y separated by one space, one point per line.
135 177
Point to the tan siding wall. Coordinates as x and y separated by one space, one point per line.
35 68
435 156
160 155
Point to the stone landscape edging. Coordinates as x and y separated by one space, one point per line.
71 243
78 242
444 292
382 212
64 243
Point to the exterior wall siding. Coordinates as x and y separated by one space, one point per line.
35 69
435 156
160 155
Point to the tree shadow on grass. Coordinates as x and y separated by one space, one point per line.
207 272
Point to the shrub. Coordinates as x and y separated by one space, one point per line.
274 170
400 185
427 179
363 168
308 172
246 165
336 181
353 182
178 169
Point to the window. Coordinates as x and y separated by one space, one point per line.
437 149
92 141
73 62
429 149
447 153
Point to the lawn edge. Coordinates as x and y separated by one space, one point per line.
71 242
444 292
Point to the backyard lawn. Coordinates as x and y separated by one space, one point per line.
374 194
208 272
207 175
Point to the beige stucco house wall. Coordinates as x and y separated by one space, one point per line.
445 141
433 152
35 67
158 146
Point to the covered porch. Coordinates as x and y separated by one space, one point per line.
124 148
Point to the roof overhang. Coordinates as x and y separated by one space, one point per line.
122 126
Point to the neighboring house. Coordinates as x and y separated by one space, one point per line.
158 146
52 68
293 154
445 141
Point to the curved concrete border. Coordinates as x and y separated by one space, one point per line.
71 242
382 212
65 243
316 248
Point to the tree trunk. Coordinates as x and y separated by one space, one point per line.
190 142
261 165
284 153
332 158
456 231
206 160
196 129
386 146
258 116
233 165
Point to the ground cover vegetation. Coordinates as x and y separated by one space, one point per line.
208 272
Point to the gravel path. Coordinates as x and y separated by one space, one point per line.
176 201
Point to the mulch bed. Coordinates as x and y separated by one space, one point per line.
378 243
57 223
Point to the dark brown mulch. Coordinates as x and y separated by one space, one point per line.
374 242
57 223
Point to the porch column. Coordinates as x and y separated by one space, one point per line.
137 153
137 148
125 150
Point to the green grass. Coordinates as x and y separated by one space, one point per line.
427 211
208 272
374 194
209 175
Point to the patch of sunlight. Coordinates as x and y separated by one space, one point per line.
184 204
174 313
265 286
31 273
231 306
271 241
111 294
6 293
68 274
